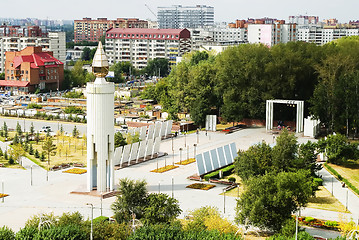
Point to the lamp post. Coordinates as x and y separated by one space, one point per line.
101 202
194 153
159 186
346 206
91 234
172 187
172 143
3 191
224 201
180 156
31 175
187 152
173 157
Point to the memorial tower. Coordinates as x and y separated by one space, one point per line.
100 126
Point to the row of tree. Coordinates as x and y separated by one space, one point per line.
236 83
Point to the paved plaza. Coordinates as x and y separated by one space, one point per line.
30 193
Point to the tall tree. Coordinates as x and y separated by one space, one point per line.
48 147
157 67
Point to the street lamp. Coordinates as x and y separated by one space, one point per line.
172 187
91 234
194 153
180 156
187 152
3 191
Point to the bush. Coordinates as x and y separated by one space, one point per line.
309 219
331 223
63 232
232 179
6 233
226 171
318 181
11 160
101 219
31 150
27 233
34 106
37 155
73 110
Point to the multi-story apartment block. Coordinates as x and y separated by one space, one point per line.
321 35
54 42
218 36
140 45
178 16
271 34
304 19
22 31
32 68
92 30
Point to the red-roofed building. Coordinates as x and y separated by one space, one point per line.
29 69
138 45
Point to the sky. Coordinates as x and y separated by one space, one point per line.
225 10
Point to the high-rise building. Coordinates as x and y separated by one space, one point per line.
138 45
178 16
271 34
32 68
92 30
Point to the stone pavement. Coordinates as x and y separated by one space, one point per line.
54 195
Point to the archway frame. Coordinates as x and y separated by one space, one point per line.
299 116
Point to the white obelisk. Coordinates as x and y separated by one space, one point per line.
100 126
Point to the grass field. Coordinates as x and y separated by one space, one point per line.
325 201
68 150
349 171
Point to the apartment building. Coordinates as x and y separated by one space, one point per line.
178 16
92 30
271 34
54 42
138 45
32 68
321 35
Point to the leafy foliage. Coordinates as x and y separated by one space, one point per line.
6 233
119 140
271 199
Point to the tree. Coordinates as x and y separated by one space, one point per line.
132 138
160 208
256 161
15 140
18 129
86 52
121 68
48 147
32 129
2 76
17 152
119 140
284 152
269 200
6 133
75 132
157 67
131 200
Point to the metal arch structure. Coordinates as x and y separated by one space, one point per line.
299 115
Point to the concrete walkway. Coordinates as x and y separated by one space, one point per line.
343 194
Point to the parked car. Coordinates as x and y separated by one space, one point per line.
46 129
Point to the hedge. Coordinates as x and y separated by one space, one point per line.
226 171
335 173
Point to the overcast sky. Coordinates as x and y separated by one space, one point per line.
225 10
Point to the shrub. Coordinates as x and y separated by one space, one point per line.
73 109
101 219
6 233
34 106
331 223
27 233
226 171
11 160
1 152
318 181
5 155
309 219
37 155
232 179
31 150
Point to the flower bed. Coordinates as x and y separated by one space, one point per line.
185 162
2 195
75 171
313 222
164 169
201 186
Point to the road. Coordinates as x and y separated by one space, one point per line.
25 123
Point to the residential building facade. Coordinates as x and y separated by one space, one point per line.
92 30
178 16
54 42
271 34
138 46
32 68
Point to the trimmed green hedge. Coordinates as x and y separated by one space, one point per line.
226 171
335 173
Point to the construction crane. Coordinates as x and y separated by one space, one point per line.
151 11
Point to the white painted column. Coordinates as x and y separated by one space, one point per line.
100 132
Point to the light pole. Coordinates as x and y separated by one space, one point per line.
31 175
172 187
159 186
346 206
101 202
185 137
194 153
224 201
197 136
3 191
173 157
165 161
187 152
172 142
296 226
332 186
180 156
91 234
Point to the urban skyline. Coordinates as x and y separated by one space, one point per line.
239 9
